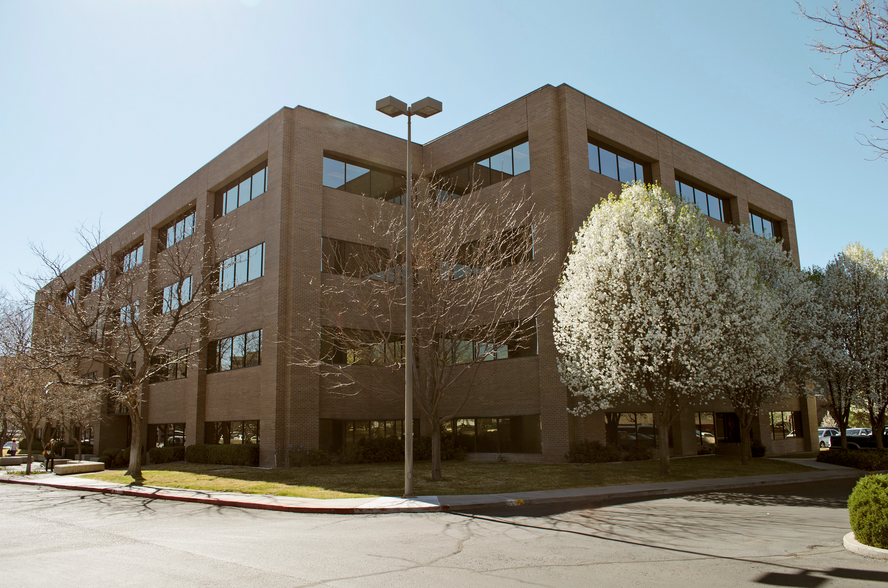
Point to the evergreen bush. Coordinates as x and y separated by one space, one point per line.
868 511
166 454
862 459
244 455
586 451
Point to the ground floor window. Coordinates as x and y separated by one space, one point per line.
786 424
335 433
631 429
705 423
167 435
516 434
232 433
727 427
86 435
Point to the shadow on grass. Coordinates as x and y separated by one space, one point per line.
460 478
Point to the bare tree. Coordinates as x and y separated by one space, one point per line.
23 387
130 321
863 40
78 408
478 289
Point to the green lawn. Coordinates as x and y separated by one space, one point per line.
387 479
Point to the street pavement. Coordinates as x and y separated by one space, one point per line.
783 535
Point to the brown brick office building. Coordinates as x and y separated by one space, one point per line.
286 191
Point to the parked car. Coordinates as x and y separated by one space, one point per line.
705 438
856 441
863 431
825 434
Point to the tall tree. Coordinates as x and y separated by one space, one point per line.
130 320
23 387
872 326
846 295
764 352
477 291
861 48
635 315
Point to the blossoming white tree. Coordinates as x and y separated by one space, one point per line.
844 299
635 312
871 333
764 348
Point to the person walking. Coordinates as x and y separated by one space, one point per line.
49 455
13 448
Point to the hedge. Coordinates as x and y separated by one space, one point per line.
245 455
862 459
166 454
586 451
868 511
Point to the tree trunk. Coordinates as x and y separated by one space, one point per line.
662 443
436 448
29 434
79 449
135 461
745 445
878 424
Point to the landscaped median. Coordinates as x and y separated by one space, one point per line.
461 478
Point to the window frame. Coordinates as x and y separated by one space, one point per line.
229 266
223 348
221 197
723 201
188 229
638 164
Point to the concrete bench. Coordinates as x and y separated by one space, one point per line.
78 467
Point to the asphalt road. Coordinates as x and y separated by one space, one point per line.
780 536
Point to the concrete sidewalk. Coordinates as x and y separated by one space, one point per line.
384 504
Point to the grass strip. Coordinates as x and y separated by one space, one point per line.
387 479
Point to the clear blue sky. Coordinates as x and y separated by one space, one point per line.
107 105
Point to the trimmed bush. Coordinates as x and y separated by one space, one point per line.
757 449
121 460
862 459
166 454
302 457
586 451
108 456
638 453
422 448
245 455
868 511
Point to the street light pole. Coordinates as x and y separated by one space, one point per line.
425 108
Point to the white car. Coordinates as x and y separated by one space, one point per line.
825 434
861 432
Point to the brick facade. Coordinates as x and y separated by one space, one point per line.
297 210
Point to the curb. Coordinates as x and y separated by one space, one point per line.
159 493
855 546
712 485
580 497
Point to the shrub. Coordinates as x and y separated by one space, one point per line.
862 459
706 450
302 457
450 450
246 455
758 450
868 511
638 453
166 454
586 451
121 460
108 456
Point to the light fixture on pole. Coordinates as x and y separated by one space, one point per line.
425 108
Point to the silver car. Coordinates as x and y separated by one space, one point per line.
825 434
